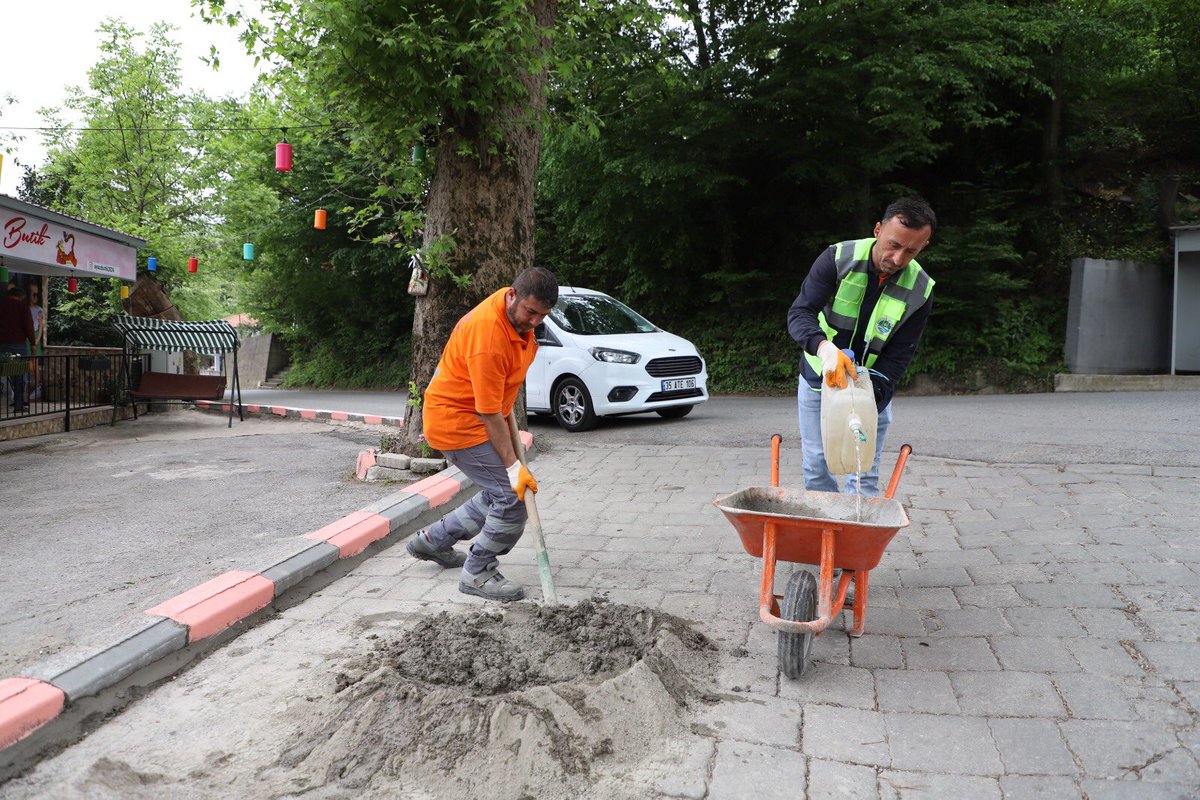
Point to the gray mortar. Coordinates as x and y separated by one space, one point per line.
521 702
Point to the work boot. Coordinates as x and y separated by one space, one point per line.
490 586
419 547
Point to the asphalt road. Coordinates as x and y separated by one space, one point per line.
1148 428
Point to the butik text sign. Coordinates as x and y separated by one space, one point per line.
51 243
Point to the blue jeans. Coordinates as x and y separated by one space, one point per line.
817 476
17 382
494 518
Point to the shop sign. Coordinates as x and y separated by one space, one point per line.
51 243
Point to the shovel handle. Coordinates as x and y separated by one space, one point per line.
549 595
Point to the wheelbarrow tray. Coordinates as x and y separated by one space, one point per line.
800 516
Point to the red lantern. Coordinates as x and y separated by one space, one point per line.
283 157
319 219
72 285
193 264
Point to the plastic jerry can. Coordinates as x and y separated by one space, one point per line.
849 421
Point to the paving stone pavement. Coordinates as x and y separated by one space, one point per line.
1033 633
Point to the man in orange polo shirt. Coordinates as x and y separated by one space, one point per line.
466 409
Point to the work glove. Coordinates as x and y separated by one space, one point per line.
520 479
835 364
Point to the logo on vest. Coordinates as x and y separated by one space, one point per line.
883 327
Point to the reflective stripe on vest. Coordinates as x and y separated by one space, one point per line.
902 296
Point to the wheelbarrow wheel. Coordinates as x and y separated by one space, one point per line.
799 605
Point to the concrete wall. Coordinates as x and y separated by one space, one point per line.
1118 318
260 357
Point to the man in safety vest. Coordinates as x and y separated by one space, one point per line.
466 408
869 296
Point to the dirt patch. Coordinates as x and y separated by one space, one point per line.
520 702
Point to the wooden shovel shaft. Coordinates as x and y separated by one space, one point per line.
535 521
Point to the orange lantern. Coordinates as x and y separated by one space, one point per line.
72 285
283 156
193 264
319 219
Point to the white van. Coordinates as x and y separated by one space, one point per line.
599 358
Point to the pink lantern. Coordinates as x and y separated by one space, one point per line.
283 157
193 264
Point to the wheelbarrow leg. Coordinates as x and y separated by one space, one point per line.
861 579
825 584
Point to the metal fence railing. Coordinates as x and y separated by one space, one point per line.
60 384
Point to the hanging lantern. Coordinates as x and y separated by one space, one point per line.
319 219
248 251
418 154
72 285
124 292
152 264
193 264
3 274
283 156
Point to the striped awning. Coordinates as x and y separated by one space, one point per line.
208 336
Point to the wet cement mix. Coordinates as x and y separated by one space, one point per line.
519 702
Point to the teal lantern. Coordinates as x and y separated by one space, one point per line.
248 251
418 154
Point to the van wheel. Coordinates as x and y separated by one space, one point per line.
678 412
573 406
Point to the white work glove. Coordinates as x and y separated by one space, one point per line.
521 479
835 364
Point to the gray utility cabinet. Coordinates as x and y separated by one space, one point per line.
1119 318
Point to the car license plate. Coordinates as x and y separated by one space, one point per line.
679 383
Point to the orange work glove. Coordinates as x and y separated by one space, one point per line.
836 365
521 479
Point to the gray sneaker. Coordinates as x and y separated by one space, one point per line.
490 586
419 547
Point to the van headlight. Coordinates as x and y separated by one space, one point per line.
614 356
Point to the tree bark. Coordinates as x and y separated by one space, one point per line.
483 200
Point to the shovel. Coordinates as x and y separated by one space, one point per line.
535 521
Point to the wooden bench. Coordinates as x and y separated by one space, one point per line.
168 386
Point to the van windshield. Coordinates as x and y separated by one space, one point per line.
595 315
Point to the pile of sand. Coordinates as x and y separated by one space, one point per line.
524 702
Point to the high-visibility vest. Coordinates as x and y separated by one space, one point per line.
902 296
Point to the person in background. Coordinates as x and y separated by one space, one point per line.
16 338
466 408
39 338
872 297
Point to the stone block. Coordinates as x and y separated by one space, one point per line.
1034 654
1032 747
947 654
844 686
756 719
1104 657
897 785
1175 661
1006 694
1069 595
875 652
392 460
941 744
833 780
966 622
423 466
1042 787
1115 749
378 473
750 770
845 734
928 692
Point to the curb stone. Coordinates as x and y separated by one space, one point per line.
48 705
318 414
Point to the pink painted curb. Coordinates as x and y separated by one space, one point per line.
25 705
214 605
438 488
352 533
341 416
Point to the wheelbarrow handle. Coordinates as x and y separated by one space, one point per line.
905 452
776 439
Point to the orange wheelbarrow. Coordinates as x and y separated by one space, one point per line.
823 528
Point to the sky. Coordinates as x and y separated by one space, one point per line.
50 45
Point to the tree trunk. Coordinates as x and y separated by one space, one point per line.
1051 135
485 202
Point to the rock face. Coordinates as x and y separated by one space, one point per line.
543 702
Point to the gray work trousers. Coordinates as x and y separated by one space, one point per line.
494 518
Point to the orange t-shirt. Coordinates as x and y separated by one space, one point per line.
480 372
